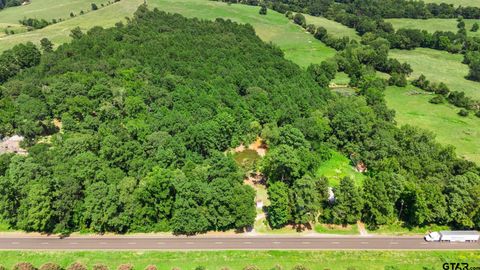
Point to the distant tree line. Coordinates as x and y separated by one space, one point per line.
35 23
145 130
372 8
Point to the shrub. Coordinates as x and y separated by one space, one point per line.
50 266
477 114
277 267
263 10
311 28
100 266
289 14
300 20
251 267
397 79
200 268
151 267
77 266
299 267
463 112
94 6
23 266
125 267
437 100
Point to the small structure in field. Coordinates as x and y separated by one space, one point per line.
12 145
331 196
260 204
361 167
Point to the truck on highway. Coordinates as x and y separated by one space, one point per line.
453 236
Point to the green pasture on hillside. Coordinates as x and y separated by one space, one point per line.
298 45
334 28
439 66
443 120
432 25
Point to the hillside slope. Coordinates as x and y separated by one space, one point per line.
298 46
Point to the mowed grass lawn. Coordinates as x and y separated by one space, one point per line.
439 66
450 128
338 167
432 25
314 260
298 45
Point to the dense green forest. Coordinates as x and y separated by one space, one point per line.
149 108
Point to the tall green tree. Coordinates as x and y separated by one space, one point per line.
279 211
348 202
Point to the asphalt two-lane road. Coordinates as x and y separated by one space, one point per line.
228 243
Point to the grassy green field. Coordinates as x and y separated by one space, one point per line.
336 29
462 132
439 66
465 3
299 46
432 25
47 9
314 260
59 33
338 167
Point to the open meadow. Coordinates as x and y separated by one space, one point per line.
48 10
334 28
432 25
314 260
439 66
442 119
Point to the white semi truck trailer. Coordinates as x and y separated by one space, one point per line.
453 236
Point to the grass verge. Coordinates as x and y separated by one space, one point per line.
337 229
359 260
